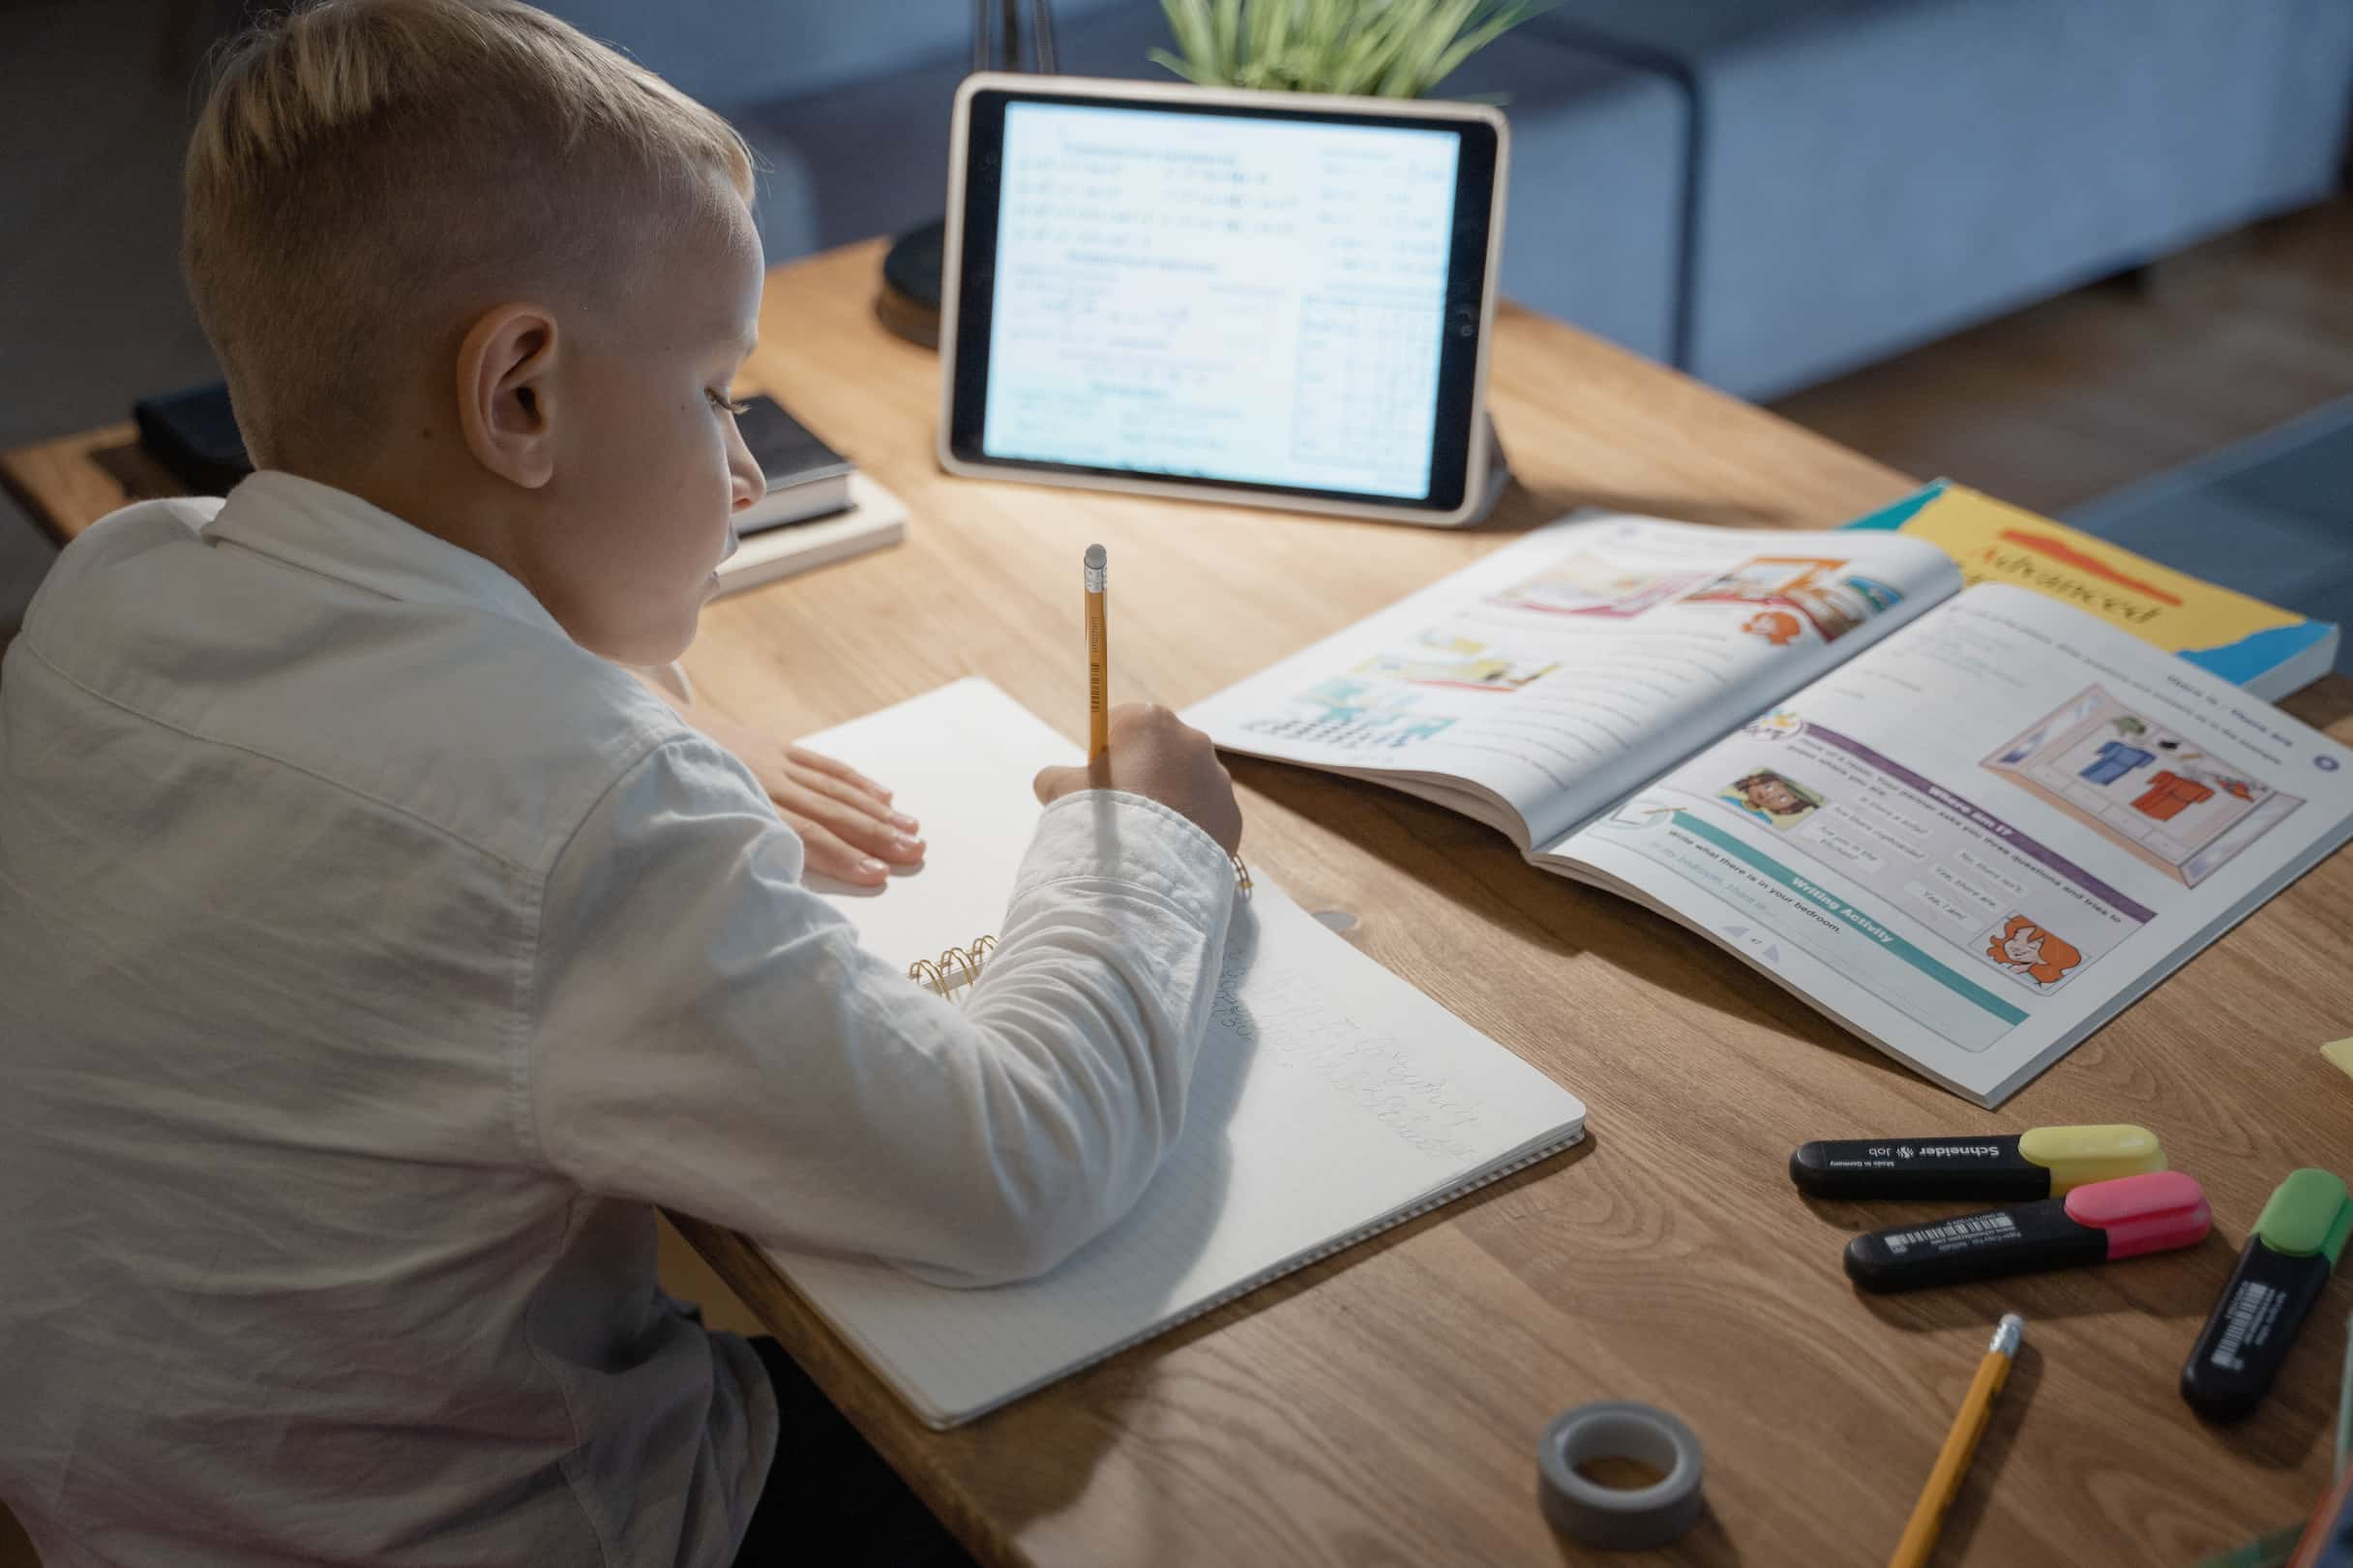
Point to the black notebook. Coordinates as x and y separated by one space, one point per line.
194 435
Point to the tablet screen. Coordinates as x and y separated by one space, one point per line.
1228 297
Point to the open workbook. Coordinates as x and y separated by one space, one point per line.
1330 1099
1969 826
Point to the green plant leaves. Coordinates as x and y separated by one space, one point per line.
1389 49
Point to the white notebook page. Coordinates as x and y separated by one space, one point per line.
1330 1097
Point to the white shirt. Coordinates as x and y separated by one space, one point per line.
372 957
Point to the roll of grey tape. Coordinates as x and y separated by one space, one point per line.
1621 1517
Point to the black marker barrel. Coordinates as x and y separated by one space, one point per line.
2023 1240
1918 1168
2048 1162
2103 1222
2284 1268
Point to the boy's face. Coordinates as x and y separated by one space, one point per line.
651 468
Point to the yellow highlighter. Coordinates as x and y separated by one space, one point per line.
2048 1162
1952 1461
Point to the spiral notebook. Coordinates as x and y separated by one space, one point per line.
1331 1100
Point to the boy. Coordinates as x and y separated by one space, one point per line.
374 951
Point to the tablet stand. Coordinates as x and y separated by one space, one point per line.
1498 476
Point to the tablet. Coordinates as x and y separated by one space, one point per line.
1276 298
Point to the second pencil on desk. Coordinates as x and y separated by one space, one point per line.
1960 1444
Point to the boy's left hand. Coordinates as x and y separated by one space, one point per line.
844 819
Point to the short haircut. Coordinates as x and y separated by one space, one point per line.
366 175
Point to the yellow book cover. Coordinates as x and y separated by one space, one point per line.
2268 651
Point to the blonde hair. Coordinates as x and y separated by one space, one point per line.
368 175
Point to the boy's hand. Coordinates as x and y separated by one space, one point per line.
844 819
1158 755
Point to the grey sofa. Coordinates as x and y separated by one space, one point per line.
1761 192
1868 174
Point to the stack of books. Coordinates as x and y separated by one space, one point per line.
817 509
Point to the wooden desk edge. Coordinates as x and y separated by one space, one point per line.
845 1378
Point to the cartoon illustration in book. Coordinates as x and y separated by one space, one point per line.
2115 760
1586 584
2083 710
1817 588
1767 579
1771 798
2029 953
1782 724
2169 792
1344 701
2151 790
1354 715
1777 626
1437 657
1875 595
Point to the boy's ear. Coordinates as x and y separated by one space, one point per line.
506 393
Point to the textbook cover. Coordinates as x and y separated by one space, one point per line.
2270 652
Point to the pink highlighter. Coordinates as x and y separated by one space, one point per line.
2097 1223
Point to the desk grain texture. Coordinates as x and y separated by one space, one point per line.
1381 1408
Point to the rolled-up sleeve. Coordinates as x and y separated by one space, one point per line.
706 1033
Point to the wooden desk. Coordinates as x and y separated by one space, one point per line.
1384 1407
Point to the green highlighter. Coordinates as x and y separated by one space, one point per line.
2284 1268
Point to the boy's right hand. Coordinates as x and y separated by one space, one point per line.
1158 755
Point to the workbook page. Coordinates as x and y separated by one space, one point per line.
1980 840
1531 688
959 760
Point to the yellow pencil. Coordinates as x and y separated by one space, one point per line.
1098 659
1928 1514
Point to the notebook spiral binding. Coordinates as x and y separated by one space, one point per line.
962 966
957 966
